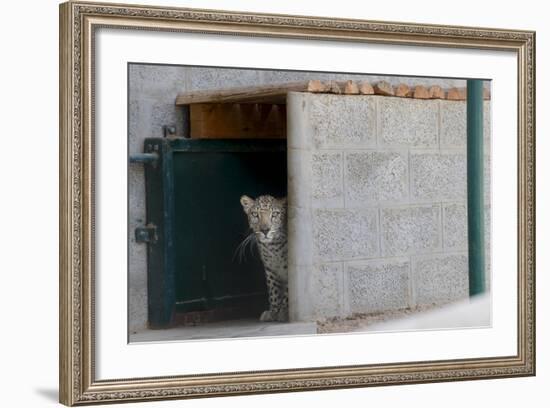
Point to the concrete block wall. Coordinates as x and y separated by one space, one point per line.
377 203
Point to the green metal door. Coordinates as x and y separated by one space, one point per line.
202 223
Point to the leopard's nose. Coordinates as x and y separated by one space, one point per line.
264 231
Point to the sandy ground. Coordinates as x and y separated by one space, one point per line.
363 320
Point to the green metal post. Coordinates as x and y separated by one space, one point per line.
476 207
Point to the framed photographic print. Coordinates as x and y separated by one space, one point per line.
256 203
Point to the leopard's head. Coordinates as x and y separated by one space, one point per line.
266 217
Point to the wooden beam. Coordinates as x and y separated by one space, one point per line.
274 94
238 121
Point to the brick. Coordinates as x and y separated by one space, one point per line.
334 87
378 286
440 278
420 92
438 176
410 229
345 234
351 88
341 121
317 86
436 92
375 176
456 94
408 122
383 88
365 88
402 90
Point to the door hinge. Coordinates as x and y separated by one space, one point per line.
147 234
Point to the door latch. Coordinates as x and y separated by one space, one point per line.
147 234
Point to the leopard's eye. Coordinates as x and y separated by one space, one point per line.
276 213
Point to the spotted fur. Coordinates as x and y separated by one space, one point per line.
267 220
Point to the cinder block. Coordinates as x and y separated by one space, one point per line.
315 179
375 176
341 120
315 291
455 226
408 122
440 278
326 290
345 234
326 179
378 286
454 124
438 176
410 229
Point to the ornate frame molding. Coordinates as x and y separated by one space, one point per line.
78 22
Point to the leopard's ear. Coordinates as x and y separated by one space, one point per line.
247 203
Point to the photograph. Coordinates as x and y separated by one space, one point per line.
285 203
262 203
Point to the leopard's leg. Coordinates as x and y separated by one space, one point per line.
282 314
274 290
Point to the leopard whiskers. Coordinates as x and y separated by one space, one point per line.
249 241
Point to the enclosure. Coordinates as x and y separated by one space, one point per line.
376 185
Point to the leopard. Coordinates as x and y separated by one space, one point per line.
267 220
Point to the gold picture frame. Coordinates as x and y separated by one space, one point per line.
78 22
